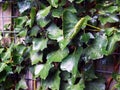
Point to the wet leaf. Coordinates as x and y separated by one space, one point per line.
57 56
35 57
21 85
53 3
41 16
39 44
54 32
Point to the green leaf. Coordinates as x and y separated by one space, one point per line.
6 55
41 16
42 70
32 15
70 63
5 5
54 32
110 19
112 42
52 82
53 3
24 5
57 12
20 21
57 56
97 49
39 44
95 85
79 1
22 33
69 21
35 57
79 86
21 85
1 50
34 31
71 9
63 42
20 49
2 66
71 0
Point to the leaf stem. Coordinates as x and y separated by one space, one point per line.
94 27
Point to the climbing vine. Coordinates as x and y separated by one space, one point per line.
60 39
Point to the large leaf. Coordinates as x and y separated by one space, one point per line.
57 56
52 81
21 85
54 32
53 3
41 16
35 57
97 49
42 70
39 44
71 62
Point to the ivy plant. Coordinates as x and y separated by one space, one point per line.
59 36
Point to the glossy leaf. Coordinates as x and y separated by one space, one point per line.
39 44
42 70
97 49
41 16
35 57
53 3
2 66
34 31
57 56
70 63
21 85
54 32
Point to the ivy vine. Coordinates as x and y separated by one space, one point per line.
58 37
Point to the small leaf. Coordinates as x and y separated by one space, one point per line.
21 85
57 56
20 48
54 32
22 33
2 66
42 70
57 12
53 3
71 0
32 15
39 44
79 1
35 57
41 16
34 31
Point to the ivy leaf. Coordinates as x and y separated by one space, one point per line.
112 42
20 48
35 57
22 33
79 86
1 50
57 12
32 15
42 70
24 5
6 55
79 1
110 19
20 21
34 31
2 66
21 85
97 49
70 63
42 21
69 21
54 32
95 85
71 0
39 44
57 56
53 3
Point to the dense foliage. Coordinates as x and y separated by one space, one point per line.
61 40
